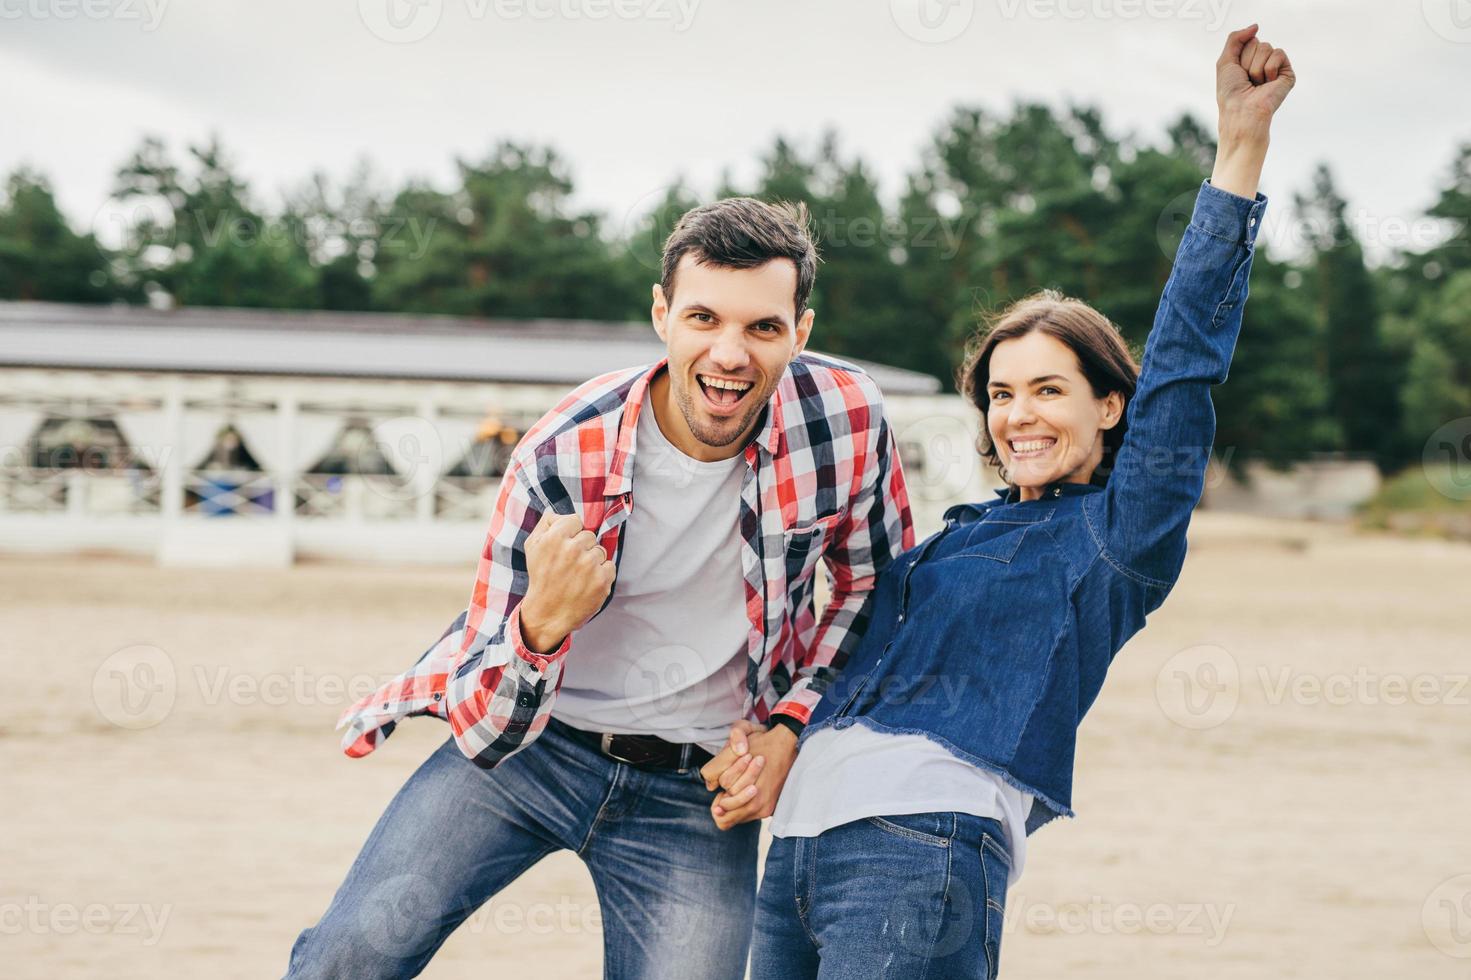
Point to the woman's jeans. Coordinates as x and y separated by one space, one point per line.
911 897
676 894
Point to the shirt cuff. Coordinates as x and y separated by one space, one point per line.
541 661
795 725
1226 215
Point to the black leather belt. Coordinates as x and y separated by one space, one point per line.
639 751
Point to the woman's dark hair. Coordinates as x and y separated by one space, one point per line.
1101 352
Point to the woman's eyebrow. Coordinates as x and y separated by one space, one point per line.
1034 381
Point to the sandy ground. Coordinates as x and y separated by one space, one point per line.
1274 782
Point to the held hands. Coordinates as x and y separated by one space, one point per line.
570 578
1252 80
750 771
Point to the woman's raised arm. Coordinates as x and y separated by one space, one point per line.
1159 472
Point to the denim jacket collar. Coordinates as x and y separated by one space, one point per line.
1010 495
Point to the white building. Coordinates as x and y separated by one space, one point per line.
179 434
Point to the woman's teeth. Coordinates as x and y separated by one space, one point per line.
1031 447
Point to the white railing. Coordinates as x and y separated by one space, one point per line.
229 493
465 498
354 497
243 493
30 491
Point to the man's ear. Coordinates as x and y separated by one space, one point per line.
804 331
1113 409
659 312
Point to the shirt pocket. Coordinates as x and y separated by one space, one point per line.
998 542
999 536
805 542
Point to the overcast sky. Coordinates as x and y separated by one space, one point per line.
636 92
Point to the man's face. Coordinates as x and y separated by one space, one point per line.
730 334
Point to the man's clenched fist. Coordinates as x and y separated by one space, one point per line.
570 577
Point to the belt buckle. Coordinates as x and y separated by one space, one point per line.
605 744
650 758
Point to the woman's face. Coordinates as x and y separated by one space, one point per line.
1044 419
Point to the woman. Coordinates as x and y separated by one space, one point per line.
951 733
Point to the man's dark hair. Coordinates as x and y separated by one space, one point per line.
743 233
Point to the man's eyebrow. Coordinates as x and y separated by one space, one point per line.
772 318
769 318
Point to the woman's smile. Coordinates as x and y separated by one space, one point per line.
1031 447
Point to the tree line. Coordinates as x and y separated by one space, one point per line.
1335 356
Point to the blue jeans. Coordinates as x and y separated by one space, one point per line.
917 896
676 894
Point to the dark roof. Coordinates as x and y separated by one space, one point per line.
332 344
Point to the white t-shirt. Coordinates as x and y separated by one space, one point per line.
667 656
842 775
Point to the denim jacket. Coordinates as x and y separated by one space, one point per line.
1014 610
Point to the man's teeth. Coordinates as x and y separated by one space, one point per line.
1031 445
722 383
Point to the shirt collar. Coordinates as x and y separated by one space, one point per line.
1054 490
768 434
1010 495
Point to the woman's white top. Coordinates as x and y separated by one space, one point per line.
842 775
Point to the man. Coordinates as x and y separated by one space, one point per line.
647 581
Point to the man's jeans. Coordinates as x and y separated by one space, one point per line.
677 894
913 897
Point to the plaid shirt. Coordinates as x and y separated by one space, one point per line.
823 481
